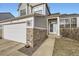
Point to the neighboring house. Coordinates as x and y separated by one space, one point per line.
35 23
4 16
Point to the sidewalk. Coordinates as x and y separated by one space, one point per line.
46 49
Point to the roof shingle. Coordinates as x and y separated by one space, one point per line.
5 15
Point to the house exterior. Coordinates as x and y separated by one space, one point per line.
35 23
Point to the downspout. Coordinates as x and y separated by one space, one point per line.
58 21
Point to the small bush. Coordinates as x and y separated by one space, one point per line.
72 33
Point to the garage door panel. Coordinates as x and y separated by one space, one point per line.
15 32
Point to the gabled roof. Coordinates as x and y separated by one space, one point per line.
69 15
34 5
5 15
37 4
19 6
64 15
48 8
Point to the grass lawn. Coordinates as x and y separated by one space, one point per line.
66 47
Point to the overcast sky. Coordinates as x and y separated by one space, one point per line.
54 8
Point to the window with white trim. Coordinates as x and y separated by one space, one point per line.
22 12
39 11
67 23
73 23
62 23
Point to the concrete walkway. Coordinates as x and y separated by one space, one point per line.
46 49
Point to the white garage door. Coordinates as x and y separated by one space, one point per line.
15 32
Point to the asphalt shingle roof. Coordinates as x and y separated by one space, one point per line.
5 15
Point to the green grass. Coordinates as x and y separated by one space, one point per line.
66 47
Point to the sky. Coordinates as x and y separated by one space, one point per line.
63 8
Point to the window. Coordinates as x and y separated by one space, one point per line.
62 23
22 12
29 23
62 26
73 23
39 11
0 26
67 23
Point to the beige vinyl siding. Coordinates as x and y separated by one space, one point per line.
40 21
41 9
23 6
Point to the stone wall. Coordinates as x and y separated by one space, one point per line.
29 36
36 36
39 35
72 33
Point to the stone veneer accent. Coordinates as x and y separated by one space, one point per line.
36 36
39 35
72 33
29 36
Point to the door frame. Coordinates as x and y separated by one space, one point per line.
58 24
52 28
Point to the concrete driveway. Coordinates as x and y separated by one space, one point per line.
10 48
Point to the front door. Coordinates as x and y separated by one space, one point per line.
53 28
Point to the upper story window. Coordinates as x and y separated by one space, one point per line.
39 11
22 12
